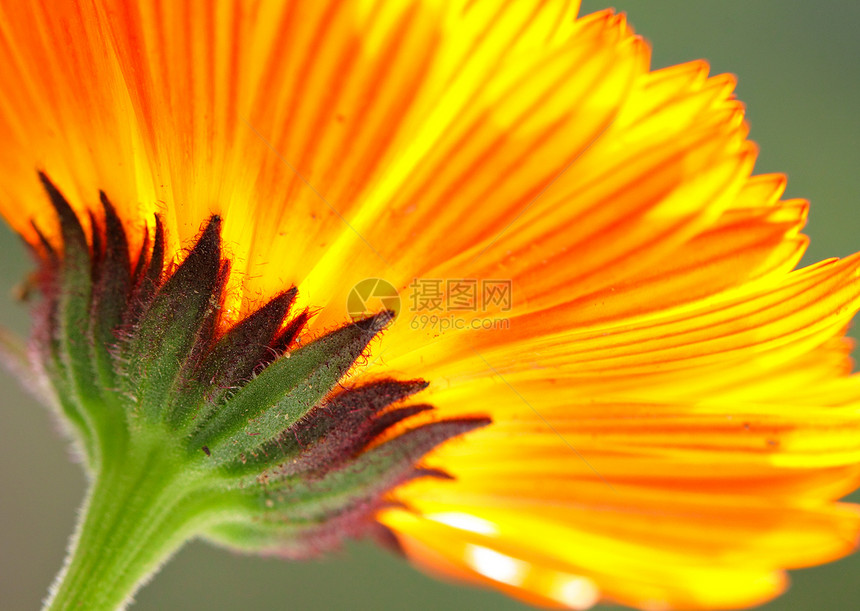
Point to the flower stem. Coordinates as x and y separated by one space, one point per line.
139 511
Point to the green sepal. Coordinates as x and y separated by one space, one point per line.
367 476
175 330
331 434
112 282
63 328
146 277
232 361
304 516
283 392
71 322
74 292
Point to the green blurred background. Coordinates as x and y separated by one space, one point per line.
799 69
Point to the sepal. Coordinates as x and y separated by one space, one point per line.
233 360
283 392
302 517
176 328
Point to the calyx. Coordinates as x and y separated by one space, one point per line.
139 366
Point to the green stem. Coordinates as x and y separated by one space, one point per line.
138 513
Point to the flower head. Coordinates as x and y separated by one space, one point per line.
667 416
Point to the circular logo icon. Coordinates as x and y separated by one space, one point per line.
372 296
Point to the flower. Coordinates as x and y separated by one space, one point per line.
672 413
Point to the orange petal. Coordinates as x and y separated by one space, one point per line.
504 560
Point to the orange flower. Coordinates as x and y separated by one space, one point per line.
673 415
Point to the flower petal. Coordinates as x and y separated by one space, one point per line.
535 560
699 424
